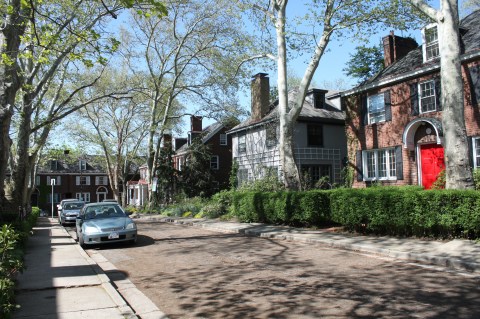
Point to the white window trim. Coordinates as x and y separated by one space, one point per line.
368 107
424 42
243 149
218 163
419 90
102 178
85 196
365 165
223 139
474 156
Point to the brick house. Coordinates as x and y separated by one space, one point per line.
85 179
219 145
319 136
394 127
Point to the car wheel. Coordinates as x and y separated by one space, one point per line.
80 241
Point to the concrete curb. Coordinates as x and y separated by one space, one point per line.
124 308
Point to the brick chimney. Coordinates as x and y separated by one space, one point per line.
260 89
167 141
395 48
195 124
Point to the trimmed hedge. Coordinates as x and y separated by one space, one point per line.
400 211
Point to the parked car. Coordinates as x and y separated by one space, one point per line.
104 222
70 211
63 201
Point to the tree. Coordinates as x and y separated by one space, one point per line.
115 126
196 177
188 56
458 170
328 18
364 63
40 43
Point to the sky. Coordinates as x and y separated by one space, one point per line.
330 68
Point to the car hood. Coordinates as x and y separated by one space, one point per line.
108 224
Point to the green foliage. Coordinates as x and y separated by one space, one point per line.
187 208
476 178
12 241
268 183
364 63
166 176
440 181
196 177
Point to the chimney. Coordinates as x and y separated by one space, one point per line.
395 48
195 123
260 89
167 141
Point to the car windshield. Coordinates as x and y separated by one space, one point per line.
73 205
103 211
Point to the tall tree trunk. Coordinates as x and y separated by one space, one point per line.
458 170
10 39
291 177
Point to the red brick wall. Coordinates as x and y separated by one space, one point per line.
389 134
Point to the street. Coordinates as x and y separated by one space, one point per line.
194 273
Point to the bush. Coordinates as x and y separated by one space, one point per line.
13 237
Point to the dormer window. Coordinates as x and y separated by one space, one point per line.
319 100
53 165
430 43
82 164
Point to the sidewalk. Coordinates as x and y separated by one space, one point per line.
457 254
62 281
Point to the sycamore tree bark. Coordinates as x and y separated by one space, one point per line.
458 170
12 30
329 17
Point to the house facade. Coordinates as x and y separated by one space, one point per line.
394 120
219 145
138 189
84 179
319 136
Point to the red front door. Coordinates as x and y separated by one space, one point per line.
433 163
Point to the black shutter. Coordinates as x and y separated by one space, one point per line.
438 94
359 166
364 110
475 83
414 98
471 151
399 162
388 106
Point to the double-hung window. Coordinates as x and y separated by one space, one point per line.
430 39
376 108
242 144
427 96
379 164
214 162
315 135
223 139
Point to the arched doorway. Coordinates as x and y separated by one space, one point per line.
102 193
424 137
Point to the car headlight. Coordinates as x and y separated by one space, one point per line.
131 226
90 230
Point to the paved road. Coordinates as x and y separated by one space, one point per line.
194 273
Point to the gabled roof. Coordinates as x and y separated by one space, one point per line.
70 165
329 113
207 133
412 64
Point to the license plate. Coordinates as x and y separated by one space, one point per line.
113 236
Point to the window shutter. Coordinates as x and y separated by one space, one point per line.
58 180
475 83
49 180
388 105
471 151
364 110
438 94
77 180
414 98
399 161
359 165
87 178
97 180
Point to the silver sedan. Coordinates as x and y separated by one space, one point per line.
101 223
